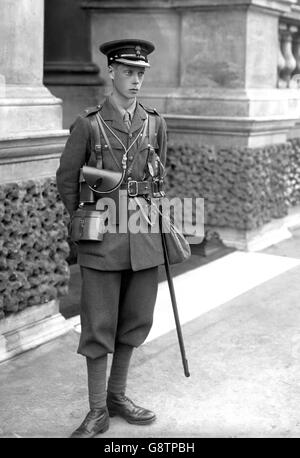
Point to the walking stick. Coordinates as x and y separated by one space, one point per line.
174 305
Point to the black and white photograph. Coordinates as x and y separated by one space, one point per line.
149 222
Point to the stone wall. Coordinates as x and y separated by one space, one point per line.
215 66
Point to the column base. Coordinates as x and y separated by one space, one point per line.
30 328
258 239
30 155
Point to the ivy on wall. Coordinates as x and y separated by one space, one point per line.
242 188
33 247
293 174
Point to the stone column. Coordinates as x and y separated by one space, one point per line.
214 76
30 116
214 71
31 140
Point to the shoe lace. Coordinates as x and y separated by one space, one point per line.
128 400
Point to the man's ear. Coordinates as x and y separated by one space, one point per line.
111 72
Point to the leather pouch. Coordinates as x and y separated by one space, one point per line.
101 180
177 246
87 225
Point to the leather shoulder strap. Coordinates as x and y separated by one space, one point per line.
159 167
150 164
96 142
151 128
107 142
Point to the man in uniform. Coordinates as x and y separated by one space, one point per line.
120 273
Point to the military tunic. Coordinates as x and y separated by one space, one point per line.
121 250
120 273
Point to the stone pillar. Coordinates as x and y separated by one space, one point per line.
214 76
214 71
30 116
31 140
69 71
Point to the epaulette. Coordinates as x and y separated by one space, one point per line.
149 110
91 110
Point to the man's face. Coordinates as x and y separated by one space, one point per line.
127 79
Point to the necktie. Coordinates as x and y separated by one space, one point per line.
127 120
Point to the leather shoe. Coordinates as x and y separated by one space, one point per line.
119 404
96 422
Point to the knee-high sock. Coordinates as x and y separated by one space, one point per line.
119 368
96 369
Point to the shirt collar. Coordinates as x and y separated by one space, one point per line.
130 109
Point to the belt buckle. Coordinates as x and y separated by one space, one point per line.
131 194
161 188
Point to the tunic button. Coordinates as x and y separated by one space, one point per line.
130 157
130 135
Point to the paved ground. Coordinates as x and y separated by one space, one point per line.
69 305
244 358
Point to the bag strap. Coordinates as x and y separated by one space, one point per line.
160 167
97 128
96 142
100 127
151 141
151 129
151 136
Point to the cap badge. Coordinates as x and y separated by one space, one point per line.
138 51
